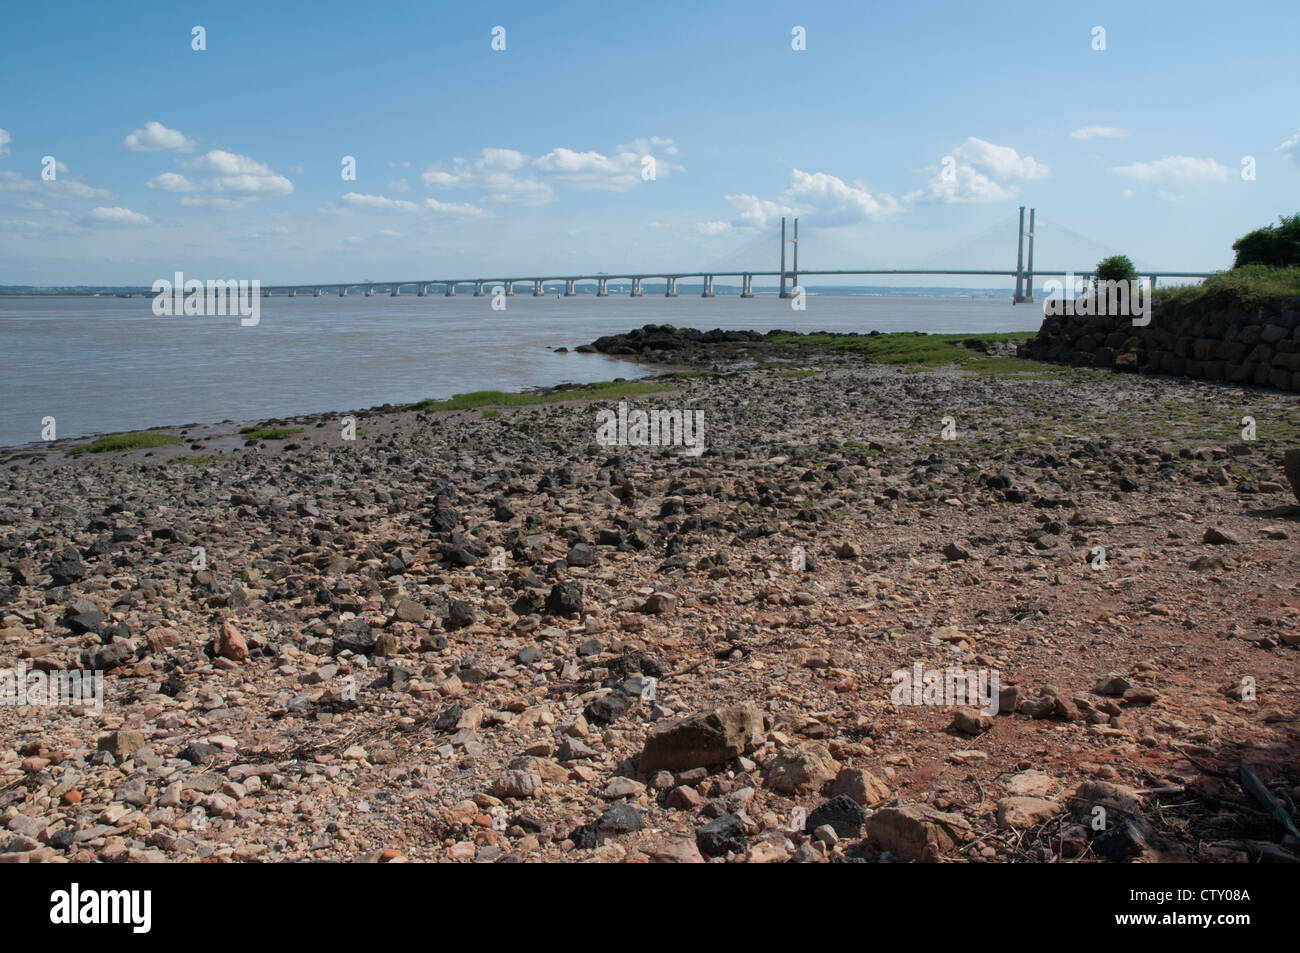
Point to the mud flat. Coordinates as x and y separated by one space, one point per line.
480 635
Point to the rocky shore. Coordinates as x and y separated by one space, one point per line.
481 635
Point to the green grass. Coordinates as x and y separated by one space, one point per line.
269 433
491 413
1242 289
488 398
114 443
907 347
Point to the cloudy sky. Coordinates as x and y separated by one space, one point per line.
614 137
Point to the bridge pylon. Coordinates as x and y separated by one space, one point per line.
1024 293
795 274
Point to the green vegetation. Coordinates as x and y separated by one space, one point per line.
491 413
1242 288
1275 246
1116 268
1267 269
485 398
909 347
114 443
269 433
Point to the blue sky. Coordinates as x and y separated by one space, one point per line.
904 135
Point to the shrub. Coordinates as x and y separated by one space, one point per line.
1116 268
1277 246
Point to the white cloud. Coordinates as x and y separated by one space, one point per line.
831 202
358 199
1002 162
56 188
507 190
118 216
380 201
710 228
614 173
1185 169
213 201
961 185
508 176
5 139
453 208
753 212
590 169
824 199
399 185
80 190
505 160
651 145
1098 132
1289 148
972 173
155 137
171 182
493 174
232 181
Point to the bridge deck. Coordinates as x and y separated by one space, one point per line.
678 275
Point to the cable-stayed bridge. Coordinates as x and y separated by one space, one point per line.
1024 273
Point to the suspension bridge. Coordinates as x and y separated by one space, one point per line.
788 277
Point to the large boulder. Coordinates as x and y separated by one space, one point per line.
861 785
916 831
802 769
703 740
1018 813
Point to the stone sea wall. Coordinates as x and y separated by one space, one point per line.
1258 348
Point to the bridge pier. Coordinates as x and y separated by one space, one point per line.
370 291
451 289
396 291
602 287
266 293
636 288
1151 283
747 286
537 288
510 288
293 292
672 288
343 291
317 294
478 289
569 291
708 287
423 292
